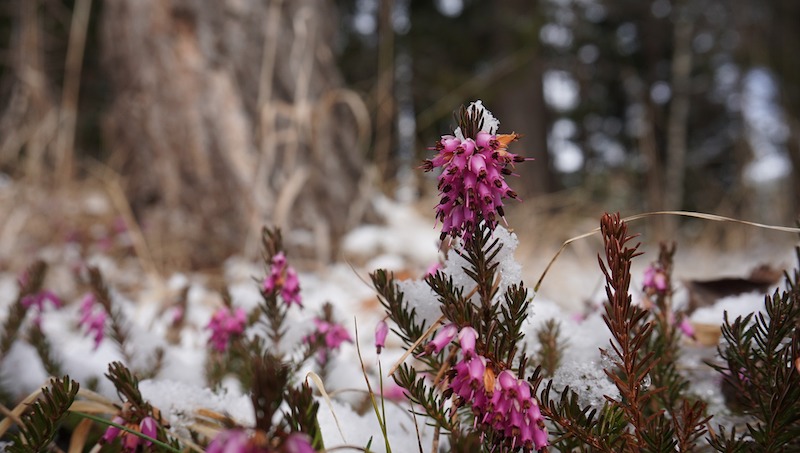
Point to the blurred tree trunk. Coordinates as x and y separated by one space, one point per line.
522 109
227 116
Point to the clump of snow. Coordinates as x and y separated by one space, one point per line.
406 234
735 306
509 269
588 380
179 402
420 297
358 430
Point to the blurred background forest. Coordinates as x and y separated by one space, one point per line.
190 124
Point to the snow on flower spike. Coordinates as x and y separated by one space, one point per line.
474 162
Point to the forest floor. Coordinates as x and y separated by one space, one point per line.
35 226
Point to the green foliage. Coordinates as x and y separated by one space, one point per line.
644 418
761 363
302 414
39 425
580 427
551 349
428 397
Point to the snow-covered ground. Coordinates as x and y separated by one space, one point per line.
406 244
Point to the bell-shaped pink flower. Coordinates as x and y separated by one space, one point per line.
655 280
442 338
148 427
297 443
381 331
467 337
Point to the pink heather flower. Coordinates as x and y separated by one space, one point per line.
130 442
112 431
472 183
467 338
93 319
178 313
297 443
224 325
38 300
442 338
655 280
687 328
331 335
392 391
148 427
334 334
431 271
230 441
504 403
283 278
468 382
381 330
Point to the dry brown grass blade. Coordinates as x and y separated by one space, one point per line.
79 436
419 341
93 407
697 215
110 181
321 387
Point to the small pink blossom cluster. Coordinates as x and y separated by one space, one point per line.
283 278
93 319
225 324
329 335
38 300
472 183
239 441
655 281
130 442
504 403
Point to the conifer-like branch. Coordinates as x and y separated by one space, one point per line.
40 424
302 414
427 397
761 364
631 333
551 349
44 350
30 283
120 332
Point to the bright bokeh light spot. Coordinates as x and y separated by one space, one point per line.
450 8
560 90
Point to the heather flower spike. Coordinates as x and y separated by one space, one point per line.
93 319
283 278
655 280
224 325
474 163
329 336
